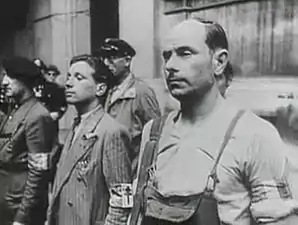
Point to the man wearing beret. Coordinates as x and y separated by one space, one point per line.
131 101
26 137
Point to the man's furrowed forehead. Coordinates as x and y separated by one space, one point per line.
188 33
81 67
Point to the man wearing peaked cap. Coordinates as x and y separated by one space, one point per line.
119 47
130 101
26 138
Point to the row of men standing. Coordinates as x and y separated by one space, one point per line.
207 163
99 156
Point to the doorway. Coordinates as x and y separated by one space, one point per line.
104 21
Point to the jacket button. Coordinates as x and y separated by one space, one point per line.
70 203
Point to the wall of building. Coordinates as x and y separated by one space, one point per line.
136 25
263 47
140 23
56 30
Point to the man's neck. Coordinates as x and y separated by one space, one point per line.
26 95
87 107
196 109
122 77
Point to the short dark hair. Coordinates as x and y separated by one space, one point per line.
102 72
216 38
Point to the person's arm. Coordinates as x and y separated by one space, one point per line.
40 135
145 139
148 106
267 170
117 172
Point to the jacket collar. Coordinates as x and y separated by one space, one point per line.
88 125
127 91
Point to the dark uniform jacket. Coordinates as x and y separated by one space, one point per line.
26 139
93 178
136 105
53 97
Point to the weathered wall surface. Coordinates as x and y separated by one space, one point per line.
56 30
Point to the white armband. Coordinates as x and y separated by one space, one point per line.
121 196
39 161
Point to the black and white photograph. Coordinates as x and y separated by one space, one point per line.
149 112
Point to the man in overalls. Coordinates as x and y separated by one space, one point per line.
249 182
26 138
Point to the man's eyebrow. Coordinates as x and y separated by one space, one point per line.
78 74
185 48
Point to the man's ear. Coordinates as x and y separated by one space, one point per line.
128 61
101 89
220 61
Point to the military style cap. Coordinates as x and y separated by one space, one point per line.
21 68
116 47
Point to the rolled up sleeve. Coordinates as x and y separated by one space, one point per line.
148 106
117 172
267 169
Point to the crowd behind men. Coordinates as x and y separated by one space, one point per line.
123 162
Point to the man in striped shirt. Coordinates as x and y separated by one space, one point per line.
93 178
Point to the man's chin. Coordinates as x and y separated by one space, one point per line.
184 97
71 101
178 95
9 95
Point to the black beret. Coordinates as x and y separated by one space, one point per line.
116 47
21 68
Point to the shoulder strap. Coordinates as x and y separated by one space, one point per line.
145 163
213 175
